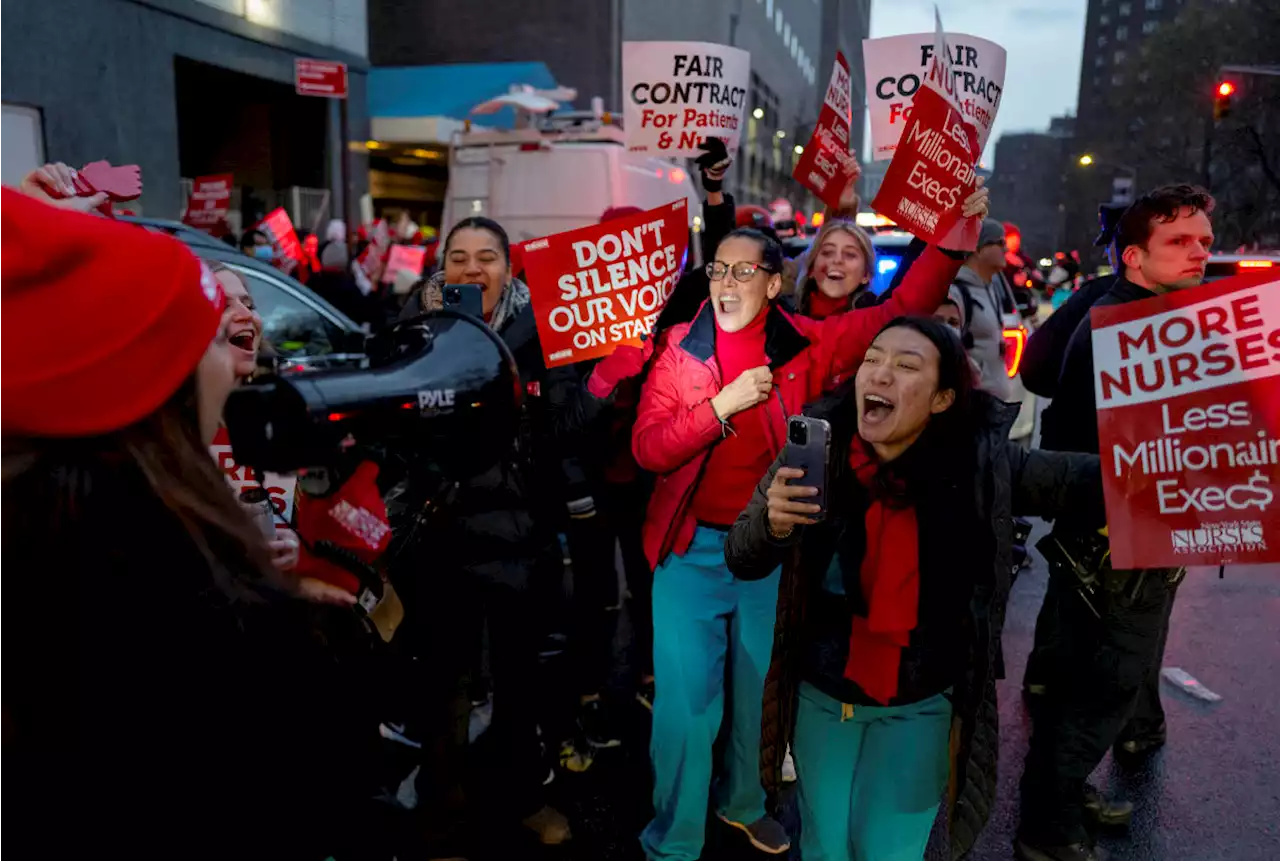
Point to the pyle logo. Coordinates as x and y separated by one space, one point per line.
1230 535
435 398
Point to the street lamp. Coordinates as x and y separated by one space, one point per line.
1086 160
758 113
781 134
799 149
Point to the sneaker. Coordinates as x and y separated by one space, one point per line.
1075 852
550 826
788 768
645 694
765 834
596 727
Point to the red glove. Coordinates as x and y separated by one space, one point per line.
625 362
354 518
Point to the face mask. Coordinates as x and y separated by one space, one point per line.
264 252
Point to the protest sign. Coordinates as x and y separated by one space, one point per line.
402 257
680 93
931 174
277 223
210 200
604 285
1188 392
826 167
279 487
896 69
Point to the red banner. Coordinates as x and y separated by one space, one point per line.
1188 393
402 257
210 200
826 167
320 78
277 223
604 285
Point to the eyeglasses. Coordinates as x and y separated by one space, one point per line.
743 271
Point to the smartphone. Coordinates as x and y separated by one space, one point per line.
809 448
467 298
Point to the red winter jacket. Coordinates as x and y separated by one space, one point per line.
675 426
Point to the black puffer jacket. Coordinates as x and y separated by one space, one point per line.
1008 480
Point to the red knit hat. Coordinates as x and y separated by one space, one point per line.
102 321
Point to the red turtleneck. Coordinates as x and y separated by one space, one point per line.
738 461
822 306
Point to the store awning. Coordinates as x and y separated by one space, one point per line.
448 92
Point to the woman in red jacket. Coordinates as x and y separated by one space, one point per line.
712 418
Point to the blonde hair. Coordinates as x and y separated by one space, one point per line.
811 256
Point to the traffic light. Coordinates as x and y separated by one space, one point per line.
1222 100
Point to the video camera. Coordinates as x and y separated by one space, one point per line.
441 389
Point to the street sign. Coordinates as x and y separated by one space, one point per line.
320 78
1122 191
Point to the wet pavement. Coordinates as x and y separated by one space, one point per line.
1213 793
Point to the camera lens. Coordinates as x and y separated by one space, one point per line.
453 296
798 433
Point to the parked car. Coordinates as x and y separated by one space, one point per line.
303 330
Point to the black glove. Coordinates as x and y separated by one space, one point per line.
715 157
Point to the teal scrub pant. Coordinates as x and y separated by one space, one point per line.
708 628
869 786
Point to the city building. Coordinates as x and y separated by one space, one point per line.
185 88
792 45
1027 184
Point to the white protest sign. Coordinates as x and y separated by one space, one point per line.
676 94
897 66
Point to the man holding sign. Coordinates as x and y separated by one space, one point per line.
1112 624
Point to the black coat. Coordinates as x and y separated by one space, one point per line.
1009 481
149 716
1047 346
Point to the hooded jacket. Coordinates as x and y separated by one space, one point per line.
676 426
985 321
1008 480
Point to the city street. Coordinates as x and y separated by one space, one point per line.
1211 795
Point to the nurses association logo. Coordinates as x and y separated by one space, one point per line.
1240 536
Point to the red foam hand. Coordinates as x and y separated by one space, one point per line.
120 183
354 518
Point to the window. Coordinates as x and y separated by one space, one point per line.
1104 20
1122 33
291 326
1099 61
1117 79
777 21
786 34
1102 41
1118 57
1152 5
1124 9
1149 27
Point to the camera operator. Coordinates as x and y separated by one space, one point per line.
493 552
171 681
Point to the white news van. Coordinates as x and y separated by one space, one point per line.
560 174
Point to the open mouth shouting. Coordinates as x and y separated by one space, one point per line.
876 409
244 345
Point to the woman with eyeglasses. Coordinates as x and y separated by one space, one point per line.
712 418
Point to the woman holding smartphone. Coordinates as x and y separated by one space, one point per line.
712 417
887 642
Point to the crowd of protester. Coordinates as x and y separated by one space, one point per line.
211 696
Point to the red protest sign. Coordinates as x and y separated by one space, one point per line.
604 285
279 487
277 223
932 173
320 78
210 200
826 167
410 257
1188 394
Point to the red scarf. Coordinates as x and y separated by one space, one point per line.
822 306
890 577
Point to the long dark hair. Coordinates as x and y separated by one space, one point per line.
479 222
55 491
